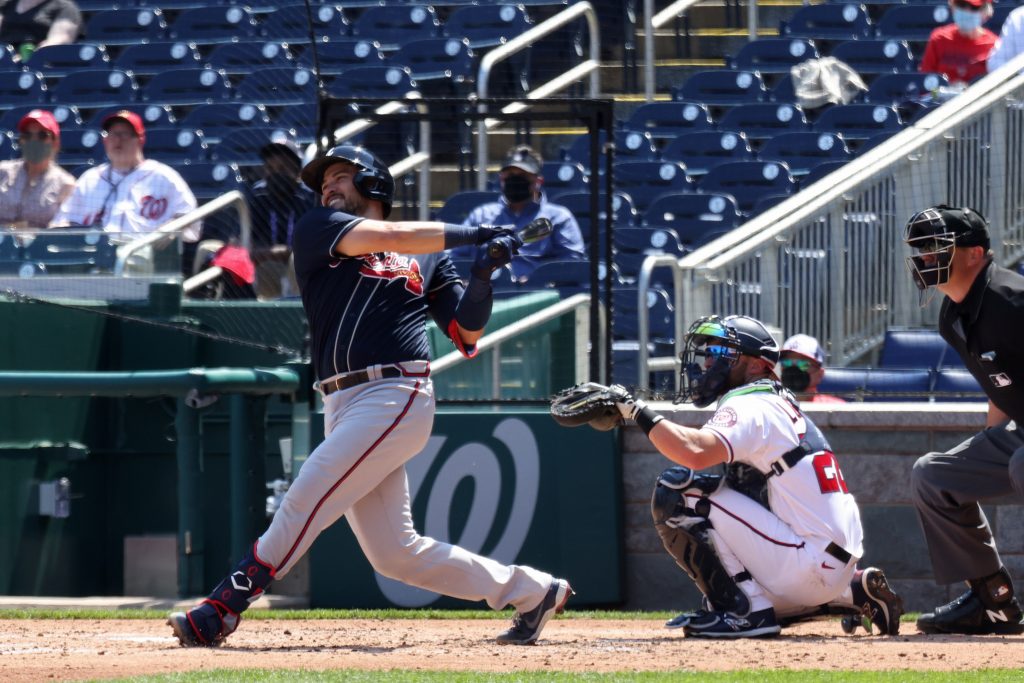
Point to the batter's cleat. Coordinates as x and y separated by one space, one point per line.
721 624
203 626
967 614
878 604
526 626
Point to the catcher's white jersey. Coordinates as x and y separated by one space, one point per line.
140 201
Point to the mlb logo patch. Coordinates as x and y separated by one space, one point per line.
1001 379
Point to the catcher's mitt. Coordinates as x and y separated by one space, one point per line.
587 403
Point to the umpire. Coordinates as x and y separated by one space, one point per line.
983 303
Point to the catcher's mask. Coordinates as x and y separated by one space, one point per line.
934 234
712 347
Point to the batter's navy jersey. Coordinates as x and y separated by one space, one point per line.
369 309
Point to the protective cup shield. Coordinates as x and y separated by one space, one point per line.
373 179
723 341
934 243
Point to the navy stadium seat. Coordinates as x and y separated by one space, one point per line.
765 202
660 314
721 87
623 213
875 56
246 58
59 60
152 114
486 25
290 24
72 251
644 181
665 120
391 82
21 88
449 61
67 117
394 25
7 151
783 91
773 55
218 119
634 245
829 22
458 205
127 26
858 120
340 55
563 176
872 142
301 120
10 250
82 146
279 87
819 172
759 121
912 348
242 146
9 58
897 88
187 87
696 218
97 88
913 22
214 25
704 150
77 171
748 181
999 13
634 145
208 180
804 151
957 384
570 277
902 384
174 146
153 58
845 383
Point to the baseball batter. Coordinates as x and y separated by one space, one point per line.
779 536
367 285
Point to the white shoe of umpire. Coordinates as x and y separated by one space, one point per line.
720 624
526 626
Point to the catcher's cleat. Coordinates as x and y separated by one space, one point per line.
721 624
681 620
526 626
967 614
878 604
203 626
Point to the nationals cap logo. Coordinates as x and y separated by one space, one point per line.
723 417
394 266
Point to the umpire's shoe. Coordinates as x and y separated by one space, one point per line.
989 607
206 625
526 626
721 624
878 603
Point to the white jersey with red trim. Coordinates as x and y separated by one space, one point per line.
137 202
758 426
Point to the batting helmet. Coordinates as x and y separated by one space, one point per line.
373 179
721 341
934 233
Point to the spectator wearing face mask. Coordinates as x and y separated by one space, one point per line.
522 201
802 369
960 50
33 187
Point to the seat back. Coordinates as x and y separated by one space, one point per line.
897 88
644 181
623 213
242 147
913 349
214 25
10 250
340 55
831 22
957 384
176 145
68 117
220 118
127 26
722 87
563 176
394 25
7 148
859 121
635 145
819 172
902 385
704 150
290 24
460 204
280 87
149 59
758 121
82 146
486 25
748 181
211 179
72 252
847 383
373 82
187 87
152 115
436 59
246 58
660 314
97 88
21 88
913 22
59 60
569 276
875 56
671 209
804 151
773 55
665 120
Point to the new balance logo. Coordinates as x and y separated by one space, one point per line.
996 616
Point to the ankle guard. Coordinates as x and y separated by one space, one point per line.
243 586
994 590
212 622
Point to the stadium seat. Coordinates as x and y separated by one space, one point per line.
660 314
570 277
634 245
242 59
59 60
152 114
898 88
338 56
804 151
704 150
696 218
69 118
82 146
458 205
486 25
913 22
902 384
72 251
242 146
447 62
7 151
871 142
21 88
623 213
563 176
913 348
290 24
208 180
868 57
96 88
858 120
999 13
665 120
957 384
748 181
77 171
722 88
644 181
175 146
187 87
759 121
126 26
847 383
10 250
773 55
152 58
386 82
828 22
783 91
628 144
302 120
819 172
766 202
214 25
279 87
218 119
395 25
9 60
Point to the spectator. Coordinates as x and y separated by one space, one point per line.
522 201
129 194
1011 40
802 363
960 50
31 24
33 187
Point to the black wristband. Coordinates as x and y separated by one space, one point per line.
647 418
460 235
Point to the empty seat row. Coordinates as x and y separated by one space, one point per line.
851 21
901 384
867 56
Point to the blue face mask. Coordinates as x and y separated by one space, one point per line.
966 20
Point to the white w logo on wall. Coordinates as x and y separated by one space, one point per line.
477 461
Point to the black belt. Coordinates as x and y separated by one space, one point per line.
838 553
351 379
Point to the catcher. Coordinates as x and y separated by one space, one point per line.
775 539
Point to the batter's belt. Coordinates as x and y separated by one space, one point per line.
347 380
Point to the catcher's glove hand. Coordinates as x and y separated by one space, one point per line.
588 403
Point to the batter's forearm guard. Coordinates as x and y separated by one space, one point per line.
459 235
474 308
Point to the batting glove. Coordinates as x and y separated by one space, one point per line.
486 233
494 254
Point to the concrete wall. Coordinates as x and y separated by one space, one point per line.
876 445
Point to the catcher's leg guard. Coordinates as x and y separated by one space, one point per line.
217 617
684 533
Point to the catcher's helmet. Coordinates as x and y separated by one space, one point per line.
718 343
934 234
373 180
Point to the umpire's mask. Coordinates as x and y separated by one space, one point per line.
933 235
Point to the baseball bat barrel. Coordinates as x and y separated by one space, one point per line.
535 230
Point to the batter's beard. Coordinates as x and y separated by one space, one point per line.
354 206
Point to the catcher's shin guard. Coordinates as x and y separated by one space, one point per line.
684 533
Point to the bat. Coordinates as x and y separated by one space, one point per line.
535 230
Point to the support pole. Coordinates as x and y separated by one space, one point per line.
191 538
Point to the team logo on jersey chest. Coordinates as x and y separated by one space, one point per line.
394 266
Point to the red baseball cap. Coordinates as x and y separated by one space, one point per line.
977 3
129 117
43 118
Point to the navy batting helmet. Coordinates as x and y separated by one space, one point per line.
373 179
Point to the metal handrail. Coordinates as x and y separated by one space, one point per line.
520 43
233 198
645 364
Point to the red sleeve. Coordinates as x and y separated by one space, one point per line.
930 61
